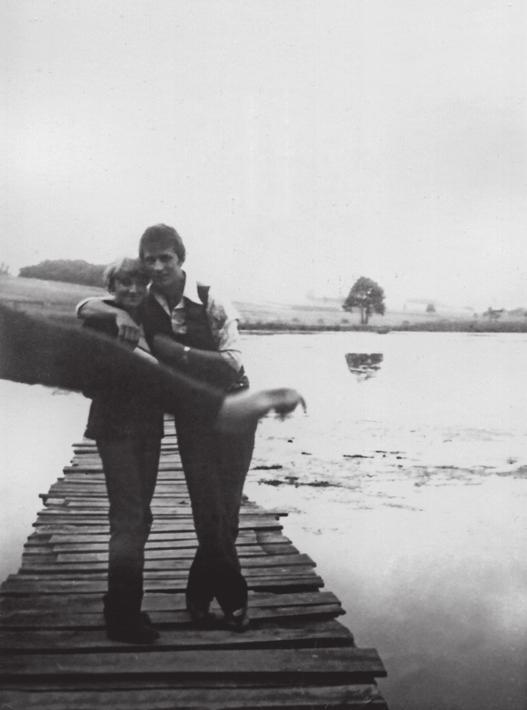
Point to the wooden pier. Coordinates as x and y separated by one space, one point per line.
55 654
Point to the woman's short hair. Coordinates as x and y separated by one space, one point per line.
125 267
161 235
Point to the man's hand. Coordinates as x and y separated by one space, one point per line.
168 350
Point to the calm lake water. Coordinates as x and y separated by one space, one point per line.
406 482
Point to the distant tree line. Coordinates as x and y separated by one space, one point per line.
74 271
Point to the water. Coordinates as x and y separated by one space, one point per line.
406 483
37 428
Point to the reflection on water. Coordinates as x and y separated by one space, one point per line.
364 365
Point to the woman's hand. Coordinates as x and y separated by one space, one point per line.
127 329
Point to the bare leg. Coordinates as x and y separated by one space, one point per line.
39 351
240 411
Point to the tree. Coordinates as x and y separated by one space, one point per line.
367 296
75 271
430 308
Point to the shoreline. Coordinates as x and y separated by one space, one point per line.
443 326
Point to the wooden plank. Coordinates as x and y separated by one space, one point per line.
164 550
340 663
73 524
162 518
296 634
96 491
157 540
76 586
158 601
97 468
157 579
324 697
65 512
42 619
37 564
89 544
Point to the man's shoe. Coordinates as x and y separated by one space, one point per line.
146 618
238 620
131 630
200 615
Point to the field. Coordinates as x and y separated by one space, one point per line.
56 299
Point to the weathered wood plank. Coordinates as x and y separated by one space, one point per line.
73 524
65 513
158 601
56 620
340 663
172 572
37 564
73 539
297 634
174 501
99 552
87 544
332 697
75 586
97 468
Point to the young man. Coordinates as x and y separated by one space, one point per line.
190 328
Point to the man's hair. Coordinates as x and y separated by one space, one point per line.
125 267
161 235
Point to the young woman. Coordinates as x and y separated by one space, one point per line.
127 430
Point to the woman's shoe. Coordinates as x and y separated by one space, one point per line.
238 620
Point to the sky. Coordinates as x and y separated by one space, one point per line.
295 144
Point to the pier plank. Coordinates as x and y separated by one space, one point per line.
158 601
303 633
333 697
338 663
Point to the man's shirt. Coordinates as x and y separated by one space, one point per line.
221 315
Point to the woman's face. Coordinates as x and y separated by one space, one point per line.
129 291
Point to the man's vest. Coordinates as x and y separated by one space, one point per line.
199 334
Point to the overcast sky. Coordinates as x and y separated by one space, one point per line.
295 144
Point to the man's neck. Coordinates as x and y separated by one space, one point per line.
174 293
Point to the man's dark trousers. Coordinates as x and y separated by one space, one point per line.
215 467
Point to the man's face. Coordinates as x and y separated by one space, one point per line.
163 266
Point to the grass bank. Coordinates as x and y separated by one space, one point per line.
57 300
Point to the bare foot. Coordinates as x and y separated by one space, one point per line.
240 411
